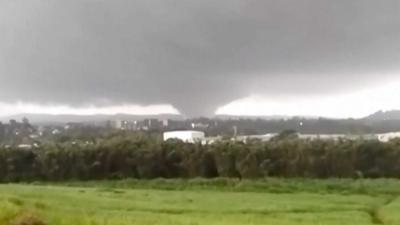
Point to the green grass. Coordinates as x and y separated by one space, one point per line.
208 202
390 212
269 185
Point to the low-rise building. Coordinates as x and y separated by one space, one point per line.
189 136
264 137
388 136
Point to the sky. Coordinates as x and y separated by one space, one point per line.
241 57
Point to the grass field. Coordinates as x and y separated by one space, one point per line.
311 202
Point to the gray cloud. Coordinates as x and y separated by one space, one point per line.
193 54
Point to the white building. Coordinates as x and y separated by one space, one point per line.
189 136
339 136
322 136
388 136
380 137
264 137
117 124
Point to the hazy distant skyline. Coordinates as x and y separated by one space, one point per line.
255 57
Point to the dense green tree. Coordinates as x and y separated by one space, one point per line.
145 156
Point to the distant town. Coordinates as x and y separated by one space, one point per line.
24 134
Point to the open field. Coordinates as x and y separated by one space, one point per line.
312 202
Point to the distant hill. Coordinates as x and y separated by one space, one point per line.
54 119
384 115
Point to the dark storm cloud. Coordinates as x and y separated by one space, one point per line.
193 54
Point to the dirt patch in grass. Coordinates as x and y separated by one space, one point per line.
27 219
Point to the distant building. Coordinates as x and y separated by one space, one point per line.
122 125
199 126
189 136
264 137
165 123
338 136
25 146
70 126
55 132
388 136
117 124
380 137
323 136
153 124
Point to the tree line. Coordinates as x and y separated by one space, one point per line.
145 157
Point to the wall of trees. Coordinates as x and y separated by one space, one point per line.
145 157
